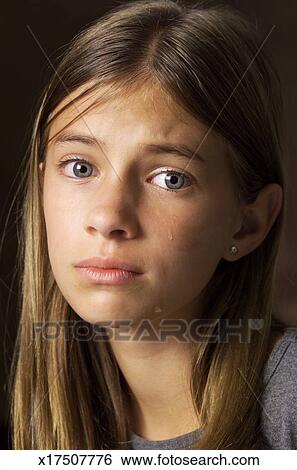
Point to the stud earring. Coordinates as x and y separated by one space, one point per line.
233 250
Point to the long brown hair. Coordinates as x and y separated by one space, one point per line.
71 394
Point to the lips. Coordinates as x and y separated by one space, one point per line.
108 263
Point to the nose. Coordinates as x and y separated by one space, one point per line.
113 211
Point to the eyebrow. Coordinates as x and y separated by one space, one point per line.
174 149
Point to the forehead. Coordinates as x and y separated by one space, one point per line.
92 94
149 102
146 112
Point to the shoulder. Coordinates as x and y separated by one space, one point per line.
279 397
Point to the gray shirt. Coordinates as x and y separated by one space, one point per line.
278 403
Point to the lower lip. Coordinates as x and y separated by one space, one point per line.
111 277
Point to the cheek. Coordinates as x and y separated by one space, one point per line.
191 242
61 219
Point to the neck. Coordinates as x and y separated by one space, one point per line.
158 377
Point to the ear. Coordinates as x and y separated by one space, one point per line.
257 220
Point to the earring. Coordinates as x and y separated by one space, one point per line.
233 250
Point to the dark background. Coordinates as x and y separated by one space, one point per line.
32 30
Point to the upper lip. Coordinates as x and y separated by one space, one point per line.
108 263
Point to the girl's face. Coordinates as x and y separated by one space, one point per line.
125 203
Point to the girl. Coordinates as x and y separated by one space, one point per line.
152 215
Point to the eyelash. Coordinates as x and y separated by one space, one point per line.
63 163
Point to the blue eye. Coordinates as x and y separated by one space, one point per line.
80 167
173 179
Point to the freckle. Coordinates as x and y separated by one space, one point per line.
170 236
